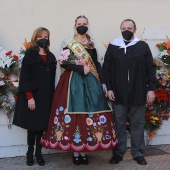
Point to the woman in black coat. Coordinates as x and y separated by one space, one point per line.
36 87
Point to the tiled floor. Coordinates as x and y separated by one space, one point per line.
158 158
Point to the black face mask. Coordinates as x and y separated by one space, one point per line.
43 42
82 29
127 35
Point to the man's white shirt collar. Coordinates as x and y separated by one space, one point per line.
120 42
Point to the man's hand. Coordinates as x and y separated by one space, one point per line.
150 97
31 104
111 95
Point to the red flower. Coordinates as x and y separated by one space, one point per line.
6 73
161 95
169 92
148 114
11 84
16 57
15 97
159 122
150 107
8 53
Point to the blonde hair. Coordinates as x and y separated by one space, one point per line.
36 34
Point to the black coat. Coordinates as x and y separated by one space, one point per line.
39 78
139 63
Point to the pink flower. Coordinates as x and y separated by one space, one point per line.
150 107
64 55
67 52
2 83
164 78
3 104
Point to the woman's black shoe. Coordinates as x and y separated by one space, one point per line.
40 159
30 161
84 160
76 160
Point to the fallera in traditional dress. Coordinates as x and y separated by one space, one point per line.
81 118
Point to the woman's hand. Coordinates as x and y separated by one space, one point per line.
86 70
104 89
111 95
31 104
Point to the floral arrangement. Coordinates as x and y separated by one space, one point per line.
159 110
8 81
68 57
156 113
10 65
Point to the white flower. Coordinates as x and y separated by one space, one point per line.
16 84
163 53
5 61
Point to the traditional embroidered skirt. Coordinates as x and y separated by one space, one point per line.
81 119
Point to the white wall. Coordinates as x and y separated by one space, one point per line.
19 18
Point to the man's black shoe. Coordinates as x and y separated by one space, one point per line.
140 160
115 159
